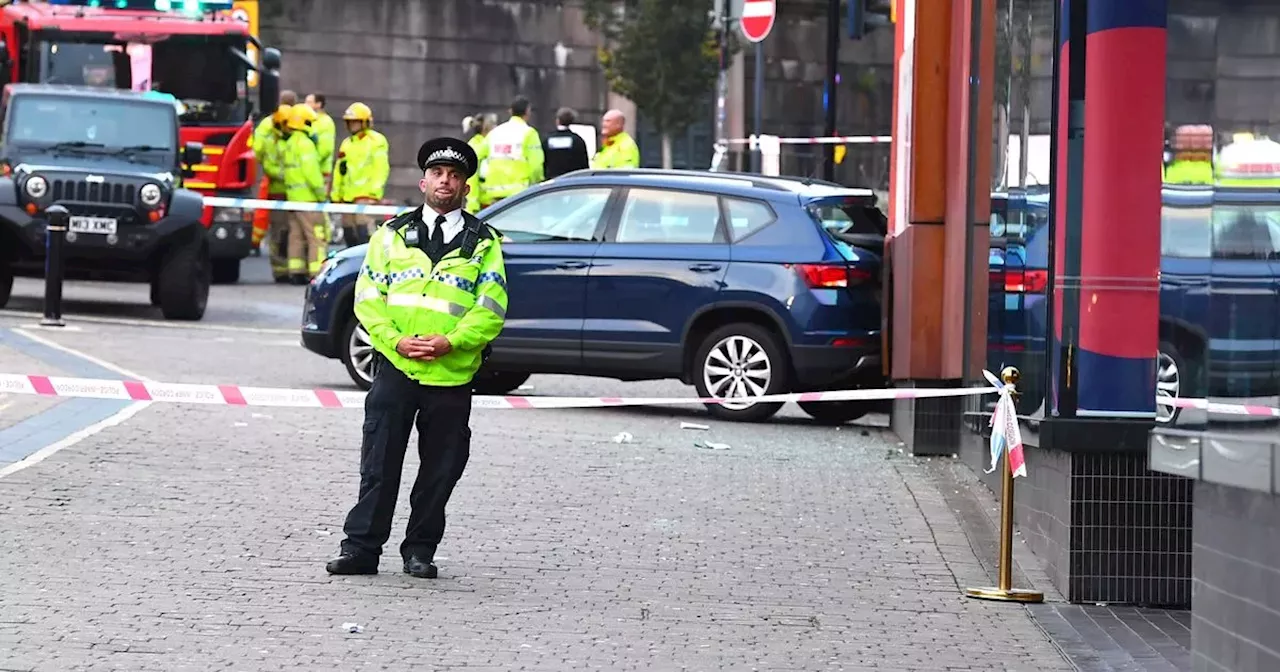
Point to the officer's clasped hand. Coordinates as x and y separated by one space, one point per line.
416 347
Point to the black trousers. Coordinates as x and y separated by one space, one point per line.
393 406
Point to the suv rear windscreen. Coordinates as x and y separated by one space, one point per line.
854 220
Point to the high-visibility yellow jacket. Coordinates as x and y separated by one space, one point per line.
619 151
515 160
476 181
268 148
303 180
324 133
1189 172
362 167
270 154
399 293
261 132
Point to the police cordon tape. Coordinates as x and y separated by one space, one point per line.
1217 407
238 395
299 206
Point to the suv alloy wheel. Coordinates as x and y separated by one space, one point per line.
740 361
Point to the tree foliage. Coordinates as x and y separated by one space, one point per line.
661 54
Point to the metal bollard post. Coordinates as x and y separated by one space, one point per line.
55 239
1004 590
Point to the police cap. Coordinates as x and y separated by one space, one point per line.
450 152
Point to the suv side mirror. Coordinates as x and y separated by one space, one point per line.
192 155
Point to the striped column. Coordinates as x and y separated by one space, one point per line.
1117 308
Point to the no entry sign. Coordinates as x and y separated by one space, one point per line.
757 19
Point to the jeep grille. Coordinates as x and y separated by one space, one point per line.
94 192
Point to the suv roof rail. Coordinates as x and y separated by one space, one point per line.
770 182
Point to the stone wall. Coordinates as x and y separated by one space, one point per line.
424 66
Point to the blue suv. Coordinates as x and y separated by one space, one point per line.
740 285
1219 291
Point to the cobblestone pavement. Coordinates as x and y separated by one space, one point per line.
194 538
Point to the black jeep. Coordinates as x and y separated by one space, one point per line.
112 159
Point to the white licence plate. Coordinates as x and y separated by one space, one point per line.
100 225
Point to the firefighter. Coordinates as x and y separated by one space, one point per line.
477 127
1192 162
270 129
304 183
618 150
324 133
275 228
515 159
432 294
360 174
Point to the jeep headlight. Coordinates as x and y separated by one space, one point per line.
37 186
150 195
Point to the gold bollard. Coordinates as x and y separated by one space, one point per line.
1005 592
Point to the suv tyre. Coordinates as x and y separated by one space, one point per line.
6 284
183 283
1171 380
356 353
741 360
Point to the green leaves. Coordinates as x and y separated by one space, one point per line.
661 54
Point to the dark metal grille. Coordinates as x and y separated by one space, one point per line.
95 192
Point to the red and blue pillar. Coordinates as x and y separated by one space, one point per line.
1107 300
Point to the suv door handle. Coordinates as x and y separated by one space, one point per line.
704 268
569 265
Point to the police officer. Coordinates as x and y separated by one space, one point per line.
432 295
565 150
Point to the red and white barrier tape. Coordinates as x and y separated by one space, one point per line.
1225 409
828 140
237 395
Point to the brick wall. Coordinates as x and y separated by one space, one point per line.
1236 562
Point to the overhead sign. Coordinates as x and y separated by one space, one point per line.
757 19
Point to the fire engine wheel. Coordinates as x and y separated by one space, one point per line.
183 284
226 271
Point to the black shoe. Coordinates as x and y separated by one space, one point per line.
299 280
423 569
351 563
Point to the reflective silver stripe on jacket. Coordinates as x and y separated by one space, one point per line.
428 302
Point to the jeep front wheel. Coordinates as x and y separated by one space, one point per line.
184 282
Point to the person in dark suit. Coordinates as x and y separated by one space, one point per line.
565 150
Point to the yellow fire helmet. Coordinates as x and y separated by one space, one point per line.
358 112
281 115
300 117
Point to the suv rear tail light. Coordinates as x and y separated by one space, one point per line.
829 276
1020 282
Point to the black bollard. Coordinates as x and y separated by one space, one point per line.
55 239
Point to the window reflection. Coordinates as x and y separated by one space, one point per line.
1220 239
1220 225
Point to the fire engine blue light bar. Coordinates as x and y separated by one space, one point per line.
186 6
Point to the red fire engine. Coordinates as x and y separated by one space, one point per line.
201 52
